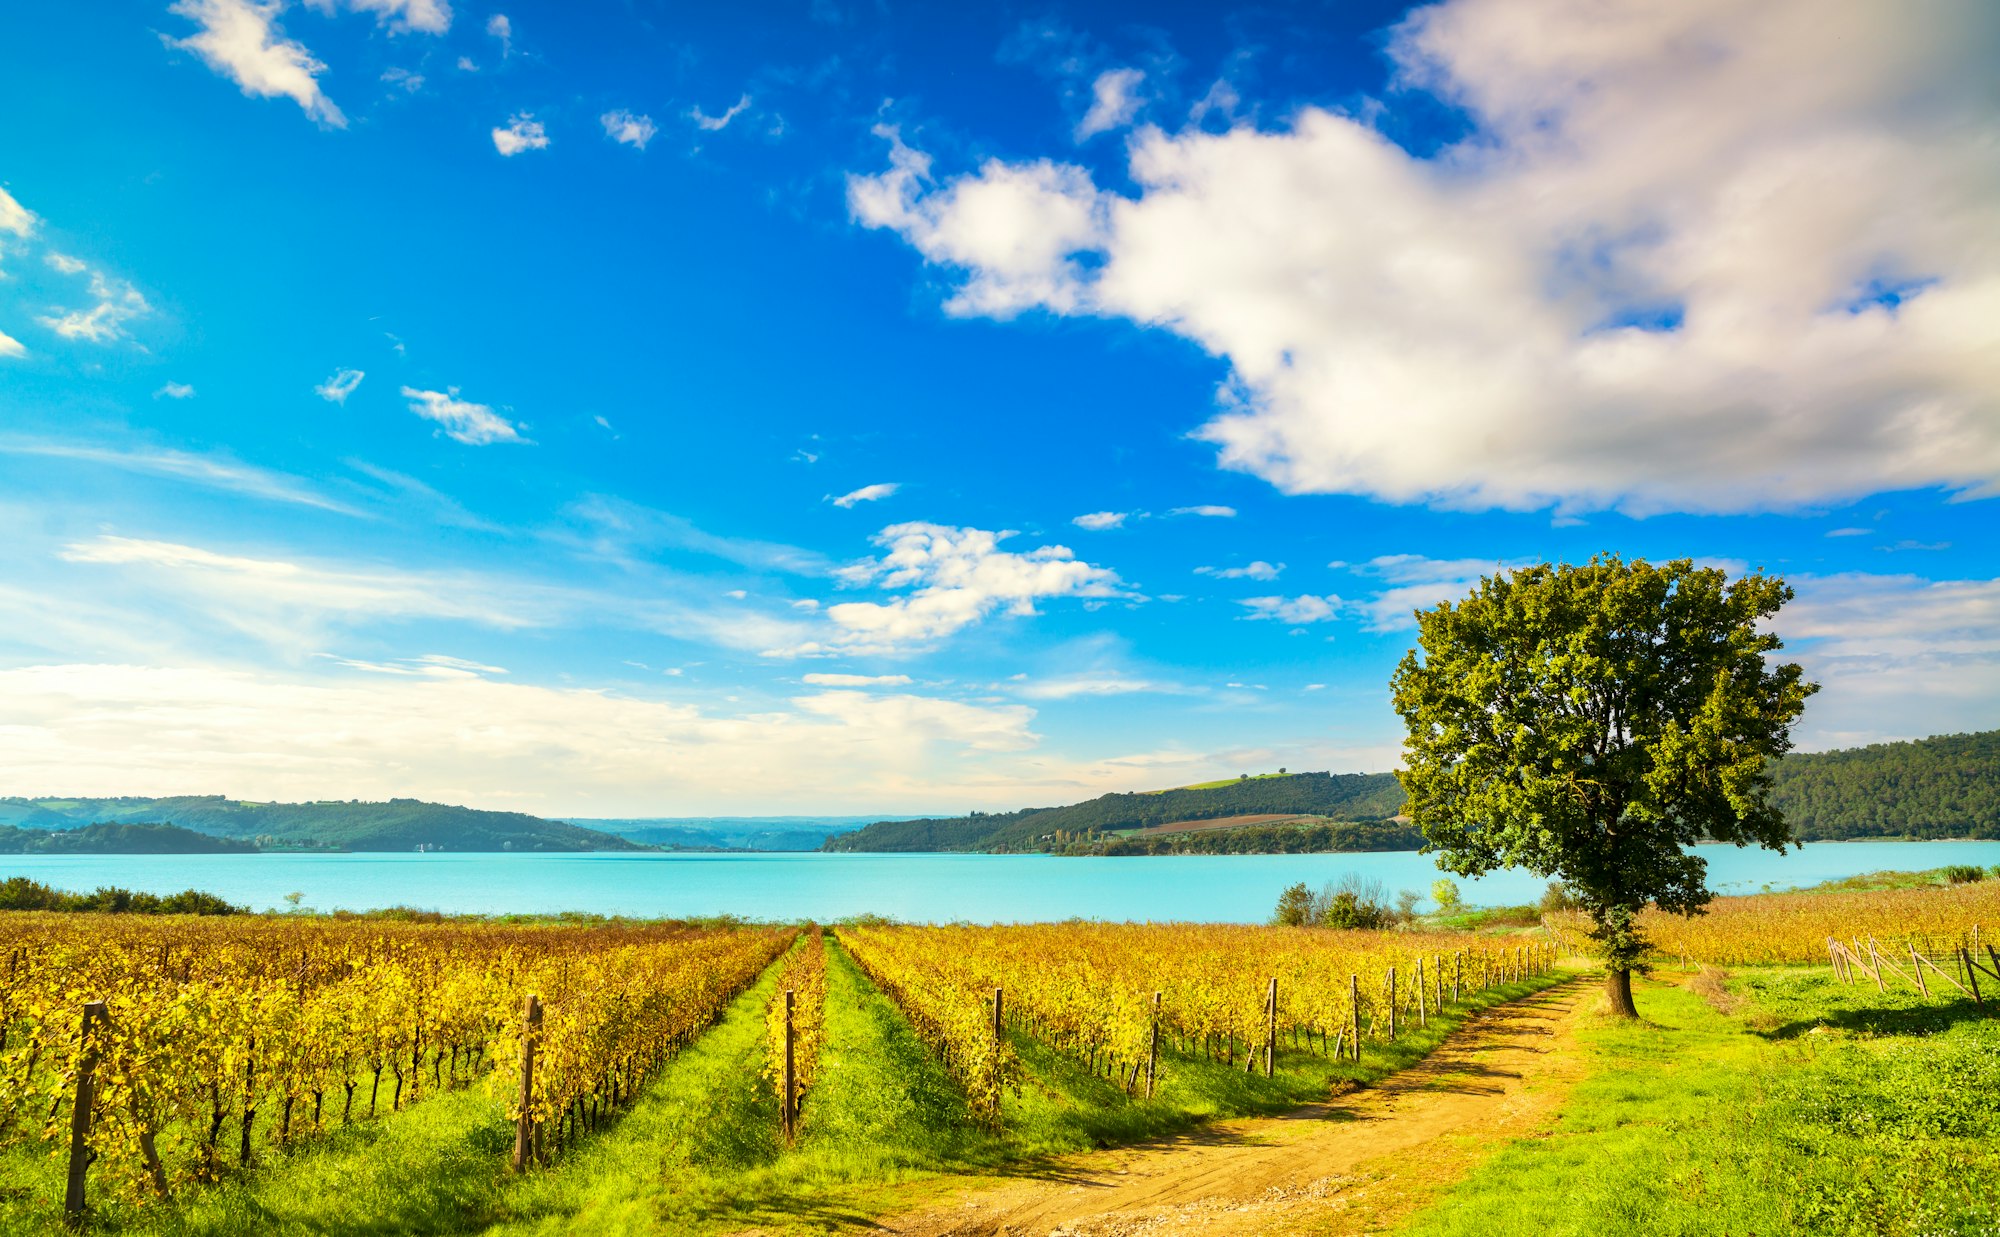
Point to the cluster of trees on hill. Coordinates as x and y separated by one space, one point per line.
399 824
1944 786
18 893
108 839
1316 837
1343 796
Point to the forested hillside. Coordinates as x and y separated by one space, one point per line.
107 839
1343 796
1945 786
399 824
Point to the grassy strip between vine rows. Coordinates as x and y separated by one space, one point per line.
884 1129
1783 1102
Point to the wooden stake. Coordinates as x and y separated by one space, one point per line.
999 1003
94 1013
1392 1004
524 1125
1153 1049
1354 1008
788 1102
1271 1029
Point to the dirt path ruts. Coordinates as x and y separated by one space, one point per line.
1350 1165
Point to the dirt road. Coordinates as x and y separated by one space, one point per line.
1352 1165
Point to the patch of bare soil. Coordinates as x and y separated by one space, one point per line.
1352 1165
1215 822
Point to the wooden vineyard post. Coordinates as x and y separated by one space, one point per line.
1917 968
1271 1029
999 1000
1392 1004
1153 1049
94 1013
1457 975
1971 975
788 1101
1423 1017
524 1125
1354 1008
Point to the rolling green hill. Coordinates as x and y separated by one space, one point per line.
1947 786
1342 796
399 824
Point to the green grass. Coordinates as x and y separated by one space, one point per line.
1219 783
1809 1107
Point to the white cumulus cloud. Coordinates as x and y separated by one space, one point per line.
956 577
473 424
1098 521
628 127
174 390
117 304
16 218
11 347
240 39
397 16
1211 511
1302 609
857 680
1701 256
1114 100
523 132
66 264
1258 570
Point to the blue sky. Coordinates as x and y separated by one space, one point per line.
639 409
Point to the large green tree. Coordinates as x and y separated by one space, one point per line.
1590 723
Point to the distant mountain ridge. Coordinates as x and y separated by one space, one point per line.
397 825
759 833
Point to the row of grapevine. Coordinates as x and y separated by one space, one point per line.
216 1037
1102 992
795 1027
1771 928
947 1007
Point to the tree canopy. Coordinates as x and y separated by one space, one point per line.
1592 722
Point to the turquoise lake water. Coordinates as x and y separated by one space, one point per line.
914 888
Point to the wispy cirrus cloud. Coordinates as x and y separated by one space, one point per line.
866 494
339 386
218 472
715 124
476 425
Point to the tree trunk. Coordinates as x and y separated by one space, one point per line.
1618 993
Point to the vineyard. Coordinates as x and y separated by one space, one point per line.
1106 994
191 1045
167 1059
1772 928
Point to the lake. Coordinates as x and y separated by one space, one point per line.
915 888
